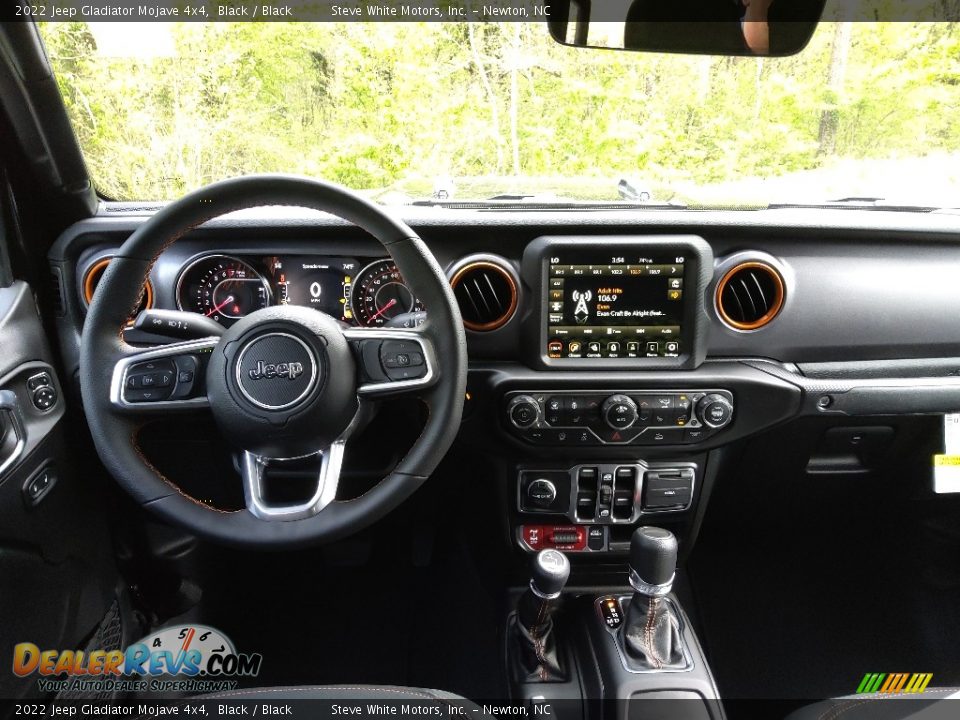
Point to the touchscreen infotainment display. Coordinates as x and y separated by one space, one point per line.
614 306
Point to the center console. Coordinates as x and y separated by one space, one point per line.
610 654
612 429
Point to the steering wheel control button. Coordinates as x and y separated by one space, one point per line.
185 374
402 360
276 370
150 381
44 398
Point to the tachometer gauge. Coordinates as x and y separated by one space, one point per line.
223 288
379 294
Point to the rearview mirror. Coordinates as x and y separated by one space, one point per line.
703 27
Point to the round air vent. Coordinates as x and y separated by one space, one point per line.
749 295
93 275
486 292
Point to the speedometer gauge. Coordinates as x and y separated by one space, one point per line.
223 288
379 294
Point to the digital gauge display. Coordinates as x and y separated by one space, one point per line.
322 283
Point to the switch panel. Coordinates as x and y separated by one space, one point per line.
573 418
605 493
567 538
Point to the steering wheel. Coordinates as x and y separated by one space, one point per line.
284 382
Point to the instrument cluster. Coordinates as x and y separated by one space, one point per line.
357 291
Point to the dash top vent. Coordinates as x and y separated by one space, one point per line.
486 292
749 295
94 274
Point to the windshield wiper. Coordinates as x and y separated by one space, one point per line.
538 204
859 203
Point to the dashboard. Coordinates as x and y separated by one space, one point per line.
788 286
611 354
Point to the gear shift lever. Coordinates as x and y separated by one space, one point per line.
651 633
538 659
653 561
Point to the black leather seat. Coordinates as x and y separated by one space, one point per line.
931 704
353 693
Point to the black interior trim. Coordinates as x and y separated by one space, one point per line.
32 102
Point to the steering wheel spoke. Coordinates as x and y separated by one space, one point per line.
393 361
256 471
161 379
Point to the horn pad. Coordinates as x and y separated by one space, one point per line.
282 382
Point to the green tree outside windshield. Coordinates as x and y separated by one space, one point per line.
501 107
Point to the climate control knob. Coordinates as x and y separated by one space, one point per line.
619 412
715 411
523 411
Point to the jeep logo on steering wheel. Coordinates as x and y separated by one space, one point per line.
278 356
266 371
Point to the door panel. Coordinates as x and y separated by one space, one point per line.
56 567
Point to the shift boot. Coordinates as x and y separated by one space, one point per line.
651 634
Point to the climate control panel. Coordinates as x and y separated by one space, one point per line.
629 417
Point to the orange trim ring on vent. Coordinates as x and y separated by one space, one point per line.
766 317
95 272
514 296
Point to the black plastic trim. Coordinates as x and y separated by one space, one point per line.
865 396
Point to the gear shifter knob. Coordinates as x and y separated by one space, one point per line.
653 560
551 570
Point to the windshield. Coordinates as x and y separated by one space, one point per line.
403 111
